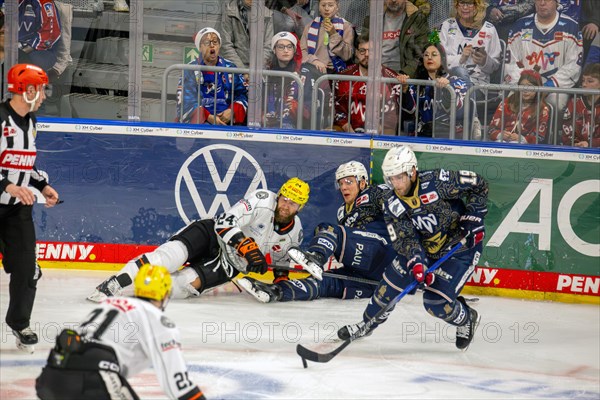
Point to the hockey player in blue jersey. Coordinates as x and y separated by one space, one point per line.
359 242
427 214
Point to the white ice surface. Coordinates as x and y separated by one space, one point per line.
237 348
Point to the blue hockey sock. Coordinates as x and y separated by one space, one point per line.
299 289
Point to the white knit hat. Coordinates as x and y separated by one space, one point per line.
283 35
201 34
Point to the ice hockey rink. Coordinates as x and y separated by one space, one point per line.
237 348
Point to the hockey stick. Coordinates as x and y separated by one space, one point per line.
310 355
329 274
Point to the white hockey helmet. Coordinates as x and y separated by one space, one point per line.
351 168
398 160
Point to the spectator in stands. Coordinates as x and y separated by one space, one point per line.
590 26
2 33
327 42
472 44
549 43
423 6
594 51
39 32
405 33
288 16
350 97
516 119
503 13
433 66
577 120
235 26
216 98
310 7
282 94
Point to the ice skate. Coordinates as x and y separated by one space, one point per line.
108 288
354 330
262 292
310 262
25 340
466 332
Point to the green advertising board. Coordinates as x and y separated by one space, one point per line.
543 206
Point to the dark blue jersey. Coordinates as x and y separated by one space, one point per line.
366 213
425 222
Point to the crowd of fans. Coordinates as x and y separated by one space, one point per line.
538 42
453 43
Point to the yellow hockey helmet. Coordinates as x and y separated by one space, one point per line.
296 190
152 282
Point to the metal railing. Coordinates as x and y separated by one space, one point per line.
266 73
300 95
416 82
555 124
188 67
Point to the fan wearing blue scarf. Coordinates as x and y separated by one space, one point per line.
327 42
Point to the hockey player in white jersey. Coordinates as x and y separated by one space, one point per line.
550 43
255 232
94 362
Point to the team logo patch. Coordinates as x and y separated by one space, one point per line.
29 12
428 198
49 8
9 131
396 207
170 345
247 205
262 195
276 248
362 199
526 35
325 243
444 175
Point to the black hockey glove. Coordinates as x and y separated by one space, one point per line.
473 229
248 249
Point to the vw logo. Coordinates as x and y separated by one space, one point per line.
218 176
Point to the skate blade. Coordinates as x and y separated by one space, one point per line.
474 331
97 296
299 258
26 348
248 287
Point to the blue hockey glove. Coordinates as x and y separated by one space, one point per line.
473 229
